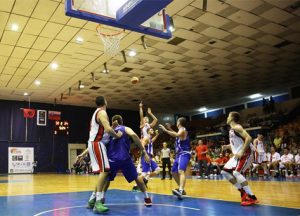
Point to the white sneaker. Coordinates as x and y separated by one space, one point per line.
291 175
215 174
205 177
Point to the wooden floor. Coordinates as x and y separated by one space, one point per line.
277 193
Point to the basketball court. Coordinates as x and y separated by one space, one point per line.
69 51
53 194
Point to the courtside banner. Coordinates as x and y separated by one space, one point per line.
54 115
20 160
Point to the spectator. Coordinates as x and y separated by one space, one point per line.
201 151
297 162
287 162
277 141
273 161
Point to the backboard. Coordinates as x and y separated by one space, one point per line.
105 12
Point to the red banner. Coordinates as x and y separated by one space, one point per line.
54 115
29 113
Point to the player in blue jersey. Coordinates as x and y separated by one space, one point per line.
119 157
183 155
151 168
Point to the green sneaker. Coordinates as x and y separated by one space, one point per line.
91 203
99 208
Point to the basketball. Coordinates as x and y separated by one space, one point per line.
134 80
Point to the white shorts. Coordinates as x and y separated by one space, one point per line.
260 157
98 155
240 165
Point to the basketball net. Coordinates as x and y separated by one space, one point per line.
111 41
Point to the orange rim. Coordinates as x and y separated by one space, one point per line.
108 35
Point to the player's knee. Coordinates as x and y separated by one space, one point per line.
236 173
226 174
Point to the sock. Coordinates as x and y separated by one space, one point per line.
248 190
180 189
93 196
146 194
102 195
98 196
237 185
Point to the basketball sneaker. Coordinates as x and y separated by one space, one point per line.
249 201
253 197
178 193
102 200
91 203
148 202
183 192
99 208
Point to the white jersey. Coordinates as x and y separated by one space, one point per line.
97 132
274 157
260 146
144 130
236 141
165 153
286 158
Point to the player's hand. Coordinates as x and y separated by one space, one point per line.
149 110
141 104
79 159
119 134
162 127
238 155
156 132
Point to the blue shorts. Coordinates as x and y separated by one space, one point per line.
181 162
127 167
148 167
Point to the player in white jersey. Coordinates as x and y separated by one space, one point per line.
260 156
286 161
144 121
100 132
233 170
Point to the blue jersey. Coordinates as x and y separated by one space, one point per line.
182 146
118 149
149 147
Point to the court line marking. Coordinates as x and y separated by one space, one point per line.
207 198
113 204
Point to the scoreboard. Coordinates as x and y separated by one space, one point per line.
61 128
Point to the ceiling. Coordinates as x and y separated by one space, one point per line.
234 49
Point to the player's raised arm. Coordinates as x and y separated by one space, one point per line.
181 133
154 121
103 118
141 115
156 135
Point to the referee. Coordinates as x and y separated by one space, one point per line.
165 157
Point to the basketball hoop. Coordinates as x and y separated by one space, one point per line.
111 41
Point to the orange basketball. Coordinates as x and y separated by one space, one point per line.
134 80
